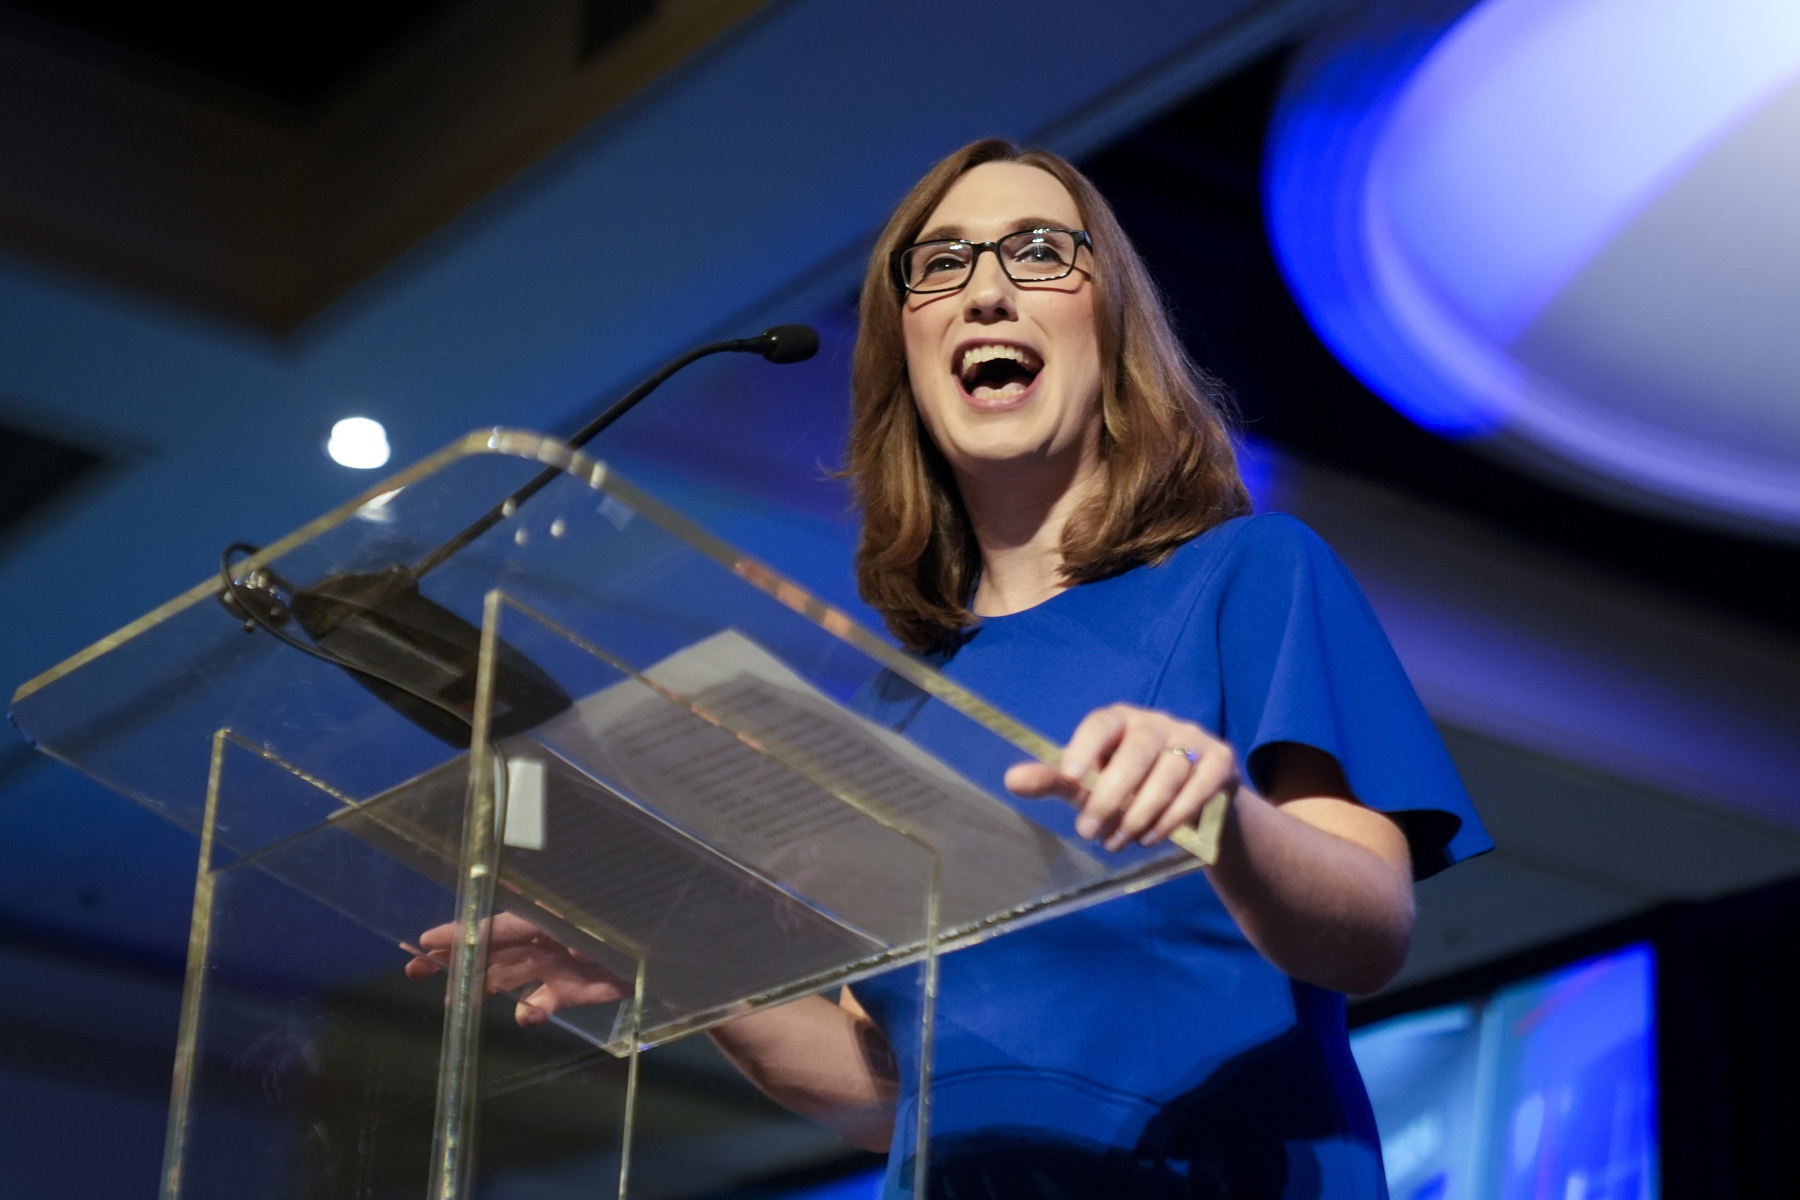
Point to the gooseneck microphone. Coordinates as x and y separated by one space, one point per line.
415 655
778 344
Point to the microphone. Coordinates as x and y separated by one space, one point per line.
778 344
415 655
786 343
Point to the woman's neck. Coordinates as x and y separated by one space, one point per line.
1019 515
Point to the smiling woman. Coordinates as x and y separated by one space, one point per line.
1053 514
1154 470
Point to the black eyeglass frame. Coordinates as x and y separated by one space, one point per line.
898 257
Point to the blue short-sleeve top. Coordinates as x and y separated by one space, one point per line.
1142 1047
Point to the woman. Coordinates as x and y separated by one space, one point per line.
1052 511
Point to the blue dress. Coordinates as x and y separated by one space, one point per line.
1142 1047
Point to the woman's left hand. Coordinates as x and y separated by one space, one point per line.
1137 774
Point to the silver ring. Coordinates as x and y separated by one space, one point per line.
1180 752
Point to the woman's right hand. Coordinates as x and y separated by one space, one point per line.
822 1060
520 953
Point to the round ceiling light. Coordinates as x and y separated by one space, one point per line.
358 442
1565 230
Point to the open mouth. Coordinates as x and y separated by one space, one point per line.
996 371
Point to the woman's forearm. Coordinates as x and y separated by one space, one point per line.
1321 886
822 1060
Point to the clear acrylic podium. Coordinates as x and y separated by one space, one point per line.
698 816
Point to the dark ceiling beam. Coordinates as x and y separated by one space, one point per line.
140 174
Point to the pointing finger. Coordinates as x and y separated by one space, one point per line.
1035 779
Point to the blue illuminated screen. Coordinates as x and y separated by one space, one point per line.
1544 1088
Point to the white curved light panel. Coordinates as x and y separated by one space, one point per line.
1565 229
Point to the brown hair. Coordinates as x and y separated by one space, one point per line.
1164 442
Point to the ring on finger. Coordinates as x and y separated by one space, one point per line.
1190 756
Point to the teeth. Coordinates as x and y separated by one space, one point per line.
1011 388
974 356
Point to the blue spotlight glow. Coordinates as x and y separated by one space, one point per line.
1438 185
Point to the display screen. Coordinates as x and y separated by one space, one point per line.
1544 1089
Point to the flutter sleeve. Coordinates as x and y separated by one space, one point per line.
1303 659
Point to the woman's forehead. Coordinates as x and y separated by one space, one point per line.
995 199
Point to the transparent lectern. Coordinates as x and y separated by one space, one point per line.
645 759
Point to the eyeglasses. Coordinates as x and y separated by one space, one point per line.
1028 256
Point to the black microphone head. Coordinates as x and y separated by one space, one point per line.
789 343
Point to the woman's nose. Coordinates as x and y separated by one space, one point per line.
989 294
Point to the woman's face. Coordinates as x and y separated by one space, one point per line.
1004 373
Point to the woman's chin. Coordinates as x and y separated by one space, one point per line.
1001 455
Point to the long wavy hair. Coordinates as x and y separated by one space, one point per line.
1165 444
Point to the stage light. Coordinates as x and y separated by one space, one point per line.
358 442
1563 230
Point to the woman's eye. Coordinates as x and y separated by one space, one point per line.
1039 254
940 263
